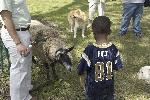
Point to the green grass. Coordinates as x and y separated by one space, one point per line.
135 52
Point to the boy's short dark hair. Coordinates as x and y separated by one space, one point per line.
101 25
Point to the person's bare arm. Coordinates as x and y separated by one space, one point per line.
82 81
7 18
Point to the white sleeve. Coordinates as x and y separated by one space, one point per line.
92 1
103 1
6 5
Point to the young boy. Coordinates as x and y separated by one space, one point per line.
98 61
93 5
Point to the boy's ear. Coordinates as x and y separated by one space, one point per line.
109 32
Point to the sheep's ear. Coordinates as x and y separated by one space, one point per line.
69 49
58 51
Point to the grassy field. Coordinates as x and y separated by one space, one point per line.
135 52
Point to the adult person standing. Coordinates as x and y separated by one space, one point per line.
93 6
16 38
132 9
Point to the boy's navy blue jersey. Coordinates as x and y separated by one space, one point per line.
99 62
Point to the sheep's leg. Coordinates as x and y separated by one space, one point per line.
47 71
51 72
54 71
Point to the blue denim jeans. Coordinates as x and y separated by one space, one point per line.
132 11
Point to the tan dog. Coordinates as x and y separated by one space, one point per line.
76 19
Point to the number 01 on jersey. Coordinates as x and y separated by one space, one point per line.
100 73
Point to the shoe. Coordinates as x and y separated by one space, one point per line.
121 34
138 35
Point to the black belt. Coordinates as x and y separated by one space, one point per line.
20 29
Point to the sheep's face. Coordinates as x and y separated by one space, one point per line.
144 73
63 58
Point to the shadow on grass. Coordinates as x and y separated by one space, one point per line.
60 14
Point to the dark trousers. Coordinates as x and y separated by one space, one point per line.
103 97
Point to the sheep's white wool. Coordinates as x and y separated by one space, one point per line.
144 73
36 22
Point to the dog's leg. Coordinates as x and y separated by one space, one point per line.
83 31
71 22
75 31
71 27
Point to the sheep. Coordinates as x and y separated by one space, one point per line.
48 48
